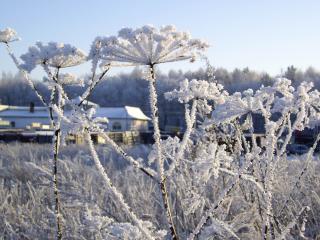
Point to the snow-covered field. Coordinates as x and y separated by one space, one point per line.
26 195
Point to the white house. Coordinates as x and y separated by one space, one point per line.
24 117
124 118
120 118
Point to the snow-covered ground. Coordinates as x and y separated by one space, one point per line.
26 196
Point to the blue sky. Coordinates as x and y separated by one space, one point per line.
262 35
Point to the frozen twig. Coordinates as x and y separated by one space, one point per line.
116 194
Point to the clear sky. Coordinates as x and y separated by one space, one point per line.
262 35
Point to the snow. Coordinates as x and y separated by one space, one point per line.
85 102
121 113
20 111
136 113
38 133
125 112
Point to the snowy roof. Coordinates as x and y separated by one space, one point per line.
42 112
38 133
85 102
121 112
17 111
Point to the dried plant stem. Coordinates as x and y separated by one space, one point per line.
57 137
26 76
303 171
116 194
190 117
56 147
287 229
56 140
160 167
149 172
206 217
92 86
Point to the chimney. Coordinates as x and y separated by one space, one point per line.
31 109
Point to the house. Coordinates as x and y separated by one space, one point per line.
24 117
37 118
124 118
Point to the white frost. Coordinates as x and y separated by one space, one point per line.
58 55
146 46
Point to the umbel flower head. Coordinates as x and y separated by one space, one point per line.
58 55
147 46
70 79
197 89
8 35
67 79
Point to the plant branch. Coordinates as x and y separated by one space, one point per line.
190 117
116 194
93 84
149 172
26 76
159 155
56 143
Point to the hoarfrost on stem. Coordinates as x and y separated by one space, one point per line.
209 160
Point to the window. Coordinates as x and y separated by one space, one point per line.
116 126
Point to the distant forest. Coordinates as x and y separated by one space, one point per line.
131 89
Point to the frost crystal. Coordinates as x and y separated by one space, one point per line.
235 106
197 89
147 46
279 98
170 146
53 54
209 160
70 79
8 35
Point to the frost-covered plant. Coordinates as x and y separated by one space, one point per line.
277 105
8 35
198 92
197 89
106 228
52 57
70 79
147 46
24 194
56 55
209 160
